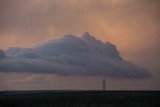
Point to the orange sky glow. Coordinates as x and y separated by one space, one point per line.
132 25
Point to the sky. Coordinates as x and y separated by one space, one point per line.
131 25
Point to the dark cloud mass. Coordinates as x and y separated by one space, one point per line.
71 55
2 54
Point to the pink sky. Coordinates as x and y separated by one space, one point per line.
132 25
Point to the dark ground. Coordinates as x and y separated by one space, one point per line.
79 99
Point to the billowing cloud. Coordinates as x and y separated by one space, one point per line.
71 55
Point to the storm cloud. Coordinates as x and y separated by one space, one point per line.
2 54
71 55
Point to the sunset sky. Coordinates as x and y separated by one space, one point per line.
132 25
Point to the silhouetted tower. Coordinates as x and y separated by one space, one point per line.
104 84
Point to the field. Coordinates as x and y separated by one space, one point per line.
79 98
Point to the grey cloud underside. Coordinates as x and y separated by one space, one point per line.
71 55
2 54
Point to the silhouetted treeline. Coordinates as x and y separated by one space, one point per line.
80 99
